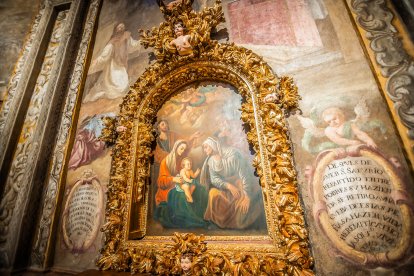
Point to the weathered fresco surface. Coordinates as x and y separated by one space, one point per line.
118 60
15 20
314 42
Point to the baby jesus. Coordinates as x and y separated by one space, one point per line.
188 177
181 43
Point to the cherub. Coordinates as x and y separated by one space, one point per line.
340 132
190 97
271 98
186 263
188 177
344 133
182 42
193 97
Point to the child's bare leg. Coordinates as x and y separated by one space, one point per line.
187 192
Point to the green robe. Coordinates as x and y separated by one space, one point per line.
178 213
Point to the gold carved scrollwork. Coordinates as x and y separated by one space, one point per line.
109 134
266 101
205 262
197 26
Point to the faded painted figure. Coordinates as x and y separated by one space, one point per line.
114 81
235 199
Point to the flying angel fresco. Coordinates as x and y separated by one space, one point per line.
339 131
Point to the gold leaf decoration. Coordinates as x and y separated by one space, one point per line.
109 134
198 26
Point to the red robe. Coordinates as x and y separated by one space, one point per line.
165 183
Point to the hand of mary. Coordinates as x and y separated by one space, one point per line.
177 179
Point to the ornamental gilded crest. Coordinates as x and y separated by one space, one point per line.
185 32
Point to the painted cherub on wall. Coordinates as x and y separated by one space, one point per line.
182 41
339 131
342 132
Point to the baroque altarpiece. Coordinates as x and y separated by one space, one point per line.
267 137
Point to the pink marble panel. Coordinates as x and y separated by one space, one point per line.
272 22
303 24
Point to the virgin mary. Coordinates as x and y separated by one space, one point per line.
172 209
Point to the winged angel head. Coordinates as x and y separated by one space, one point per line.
338 131
185 31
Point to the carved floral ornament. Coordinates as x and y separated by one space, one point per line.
266 100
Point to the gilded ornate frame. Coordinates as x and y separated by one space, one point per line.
266 101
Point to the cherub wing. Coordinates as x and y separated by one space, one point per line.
363 119
361 110
309 125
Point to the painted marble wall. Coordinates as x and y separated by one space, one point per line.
311 40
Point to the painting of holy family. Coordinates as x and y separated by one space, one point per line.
202 178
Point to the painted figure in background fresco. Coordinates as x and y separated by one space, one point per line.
189 177
182 42
114 80
87 147
234 200
167 138
172 208
340 132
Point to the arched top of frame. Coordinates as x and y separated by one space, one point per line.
229 63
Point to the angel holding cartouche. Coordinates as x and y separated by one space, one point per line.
339 131
344 133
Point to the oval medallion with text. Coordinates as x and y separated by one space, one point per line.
82 215
357 191
360 202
